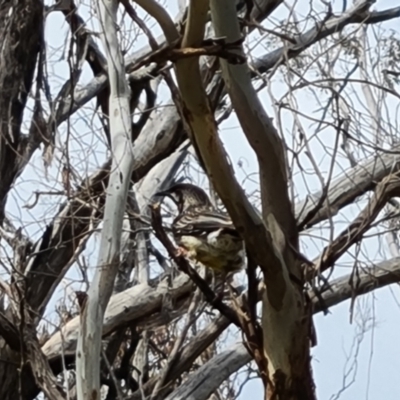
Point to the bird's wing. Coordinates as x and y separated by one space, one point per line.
203 222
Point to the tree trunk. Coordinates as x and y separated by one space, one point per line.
21 29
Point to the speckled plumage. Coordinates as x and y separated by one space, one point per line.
207 234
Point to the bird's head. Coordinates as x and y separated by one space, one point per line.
186 196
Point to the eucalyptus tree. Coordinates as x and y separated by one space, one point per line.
105 103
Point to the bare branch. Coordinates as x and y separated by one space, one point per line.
189 353
134 305
161 16
209 377
385 190
358 13
369 279
347 187
198 116
92 314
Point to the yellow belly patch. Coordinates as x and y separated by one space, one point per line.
210 256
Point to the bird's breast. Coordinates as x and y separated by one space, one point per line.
216 250
224 241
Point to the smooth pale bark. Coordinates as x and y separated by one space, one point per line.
285 319
92 314
202 383
137 303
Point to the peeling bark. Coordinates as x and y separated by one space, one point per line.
21 30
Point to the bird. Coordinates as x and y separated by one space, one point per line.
204 233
